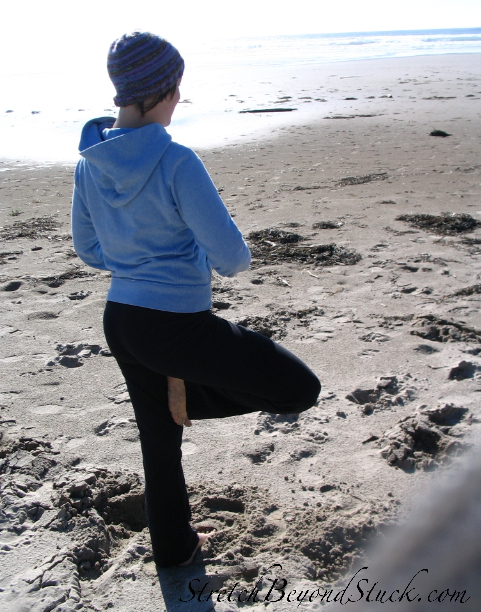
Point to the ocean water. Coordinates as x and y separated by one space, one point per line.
317 48
41 114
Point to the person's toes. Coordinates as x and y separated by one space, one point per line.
203 537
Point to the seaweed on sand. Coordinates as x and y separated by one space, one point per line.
59 279
360 180
37 227
446 224
345 181
327 225
273 234
273 246
466 291
471 241
269 110
471 245
348 116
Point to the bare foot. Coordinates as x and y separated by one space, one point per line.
177 401
203 537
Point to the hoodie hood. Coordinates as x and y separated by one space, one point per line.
121 160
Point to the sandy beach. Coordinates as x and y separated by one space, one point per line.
365 232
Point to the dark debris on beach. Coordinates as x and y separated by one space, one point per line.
273 246
59 279
345 181
439 133
37 227
472 245
275 235
470 241
348 116
466 291
268 110
446 224
327 225
360 180
6 255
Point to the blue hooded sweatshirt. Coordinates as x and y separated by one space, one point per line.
146 209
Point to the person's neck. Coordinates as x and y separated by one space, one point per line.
130 117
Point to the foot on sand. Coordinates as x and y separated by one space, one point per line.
203 537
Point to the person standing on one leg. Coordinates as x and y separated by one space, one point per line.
145 209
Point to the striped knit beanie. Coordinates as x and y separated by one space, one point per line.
141 65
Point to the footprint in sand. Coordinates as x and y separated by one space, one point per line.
374 337
12 286
246 522
44 316
121 398
72 354
7 329
12 358
260 452
426 349
465 370
368 353
437 329
389 392
48 409
126 427
79 295
284 423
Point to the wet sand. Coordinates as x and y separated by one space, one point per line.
384 310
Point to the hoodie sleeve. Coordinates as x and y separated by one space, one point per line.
205 214
85 241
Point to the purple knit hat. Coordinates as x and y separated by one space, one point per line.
141 65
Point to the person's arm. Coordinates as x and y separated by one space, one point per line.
85 241
203 211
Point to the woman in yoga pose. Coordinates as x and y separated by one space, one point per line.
145 209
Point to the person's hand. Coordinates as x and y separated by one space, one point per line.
177 401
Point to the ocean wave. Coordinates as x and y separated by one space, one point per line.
453 39
362 42
352 42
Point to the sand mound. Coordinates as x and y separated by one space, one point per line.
425 439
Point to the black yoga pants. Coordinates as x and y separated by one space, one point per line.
227 369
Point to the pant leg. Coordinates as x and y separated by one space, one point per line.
228 370
167 503
242 371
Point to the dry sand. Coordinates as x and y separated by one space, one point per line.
387 316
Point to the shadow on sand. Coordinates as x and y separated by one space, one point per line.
178 586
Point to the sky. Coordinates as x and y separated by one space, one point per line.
50 35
